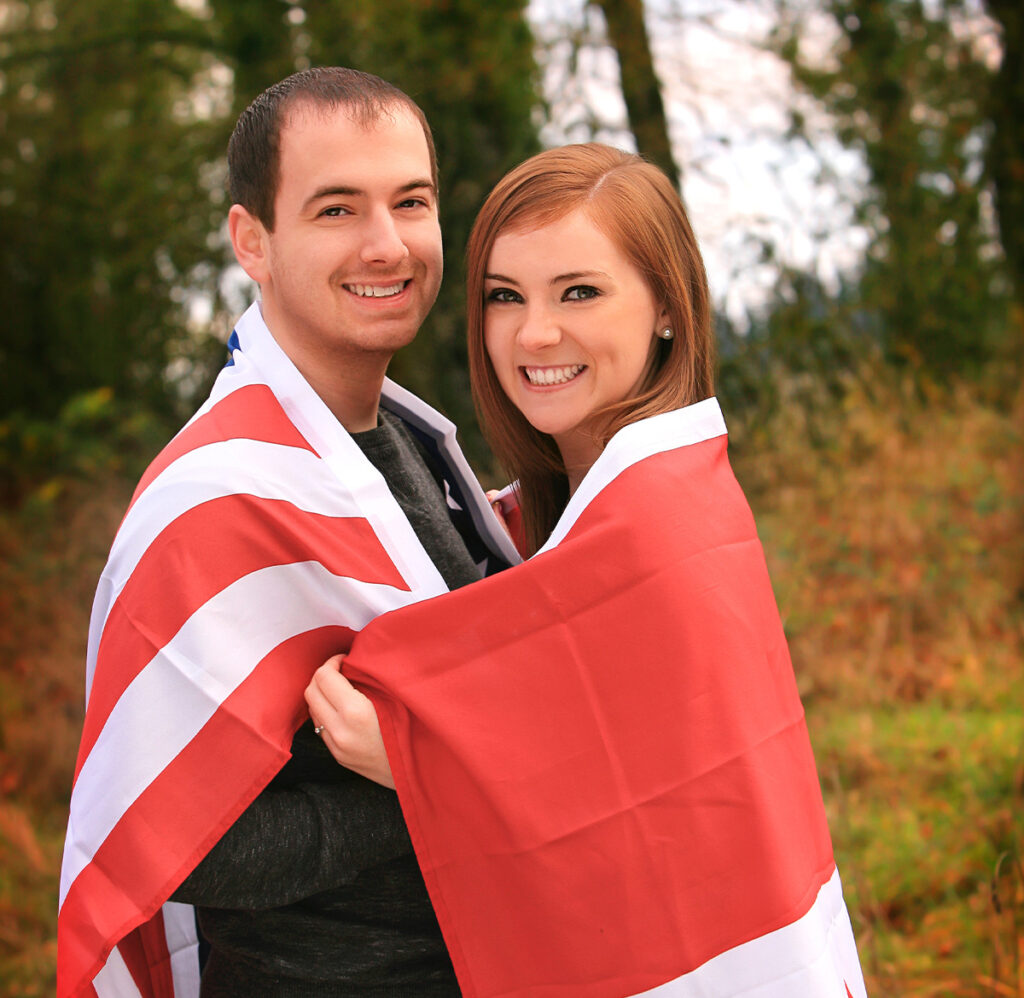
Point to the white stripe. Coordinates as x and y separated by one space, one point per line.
814 957
209 657
183 946
115 980
692 424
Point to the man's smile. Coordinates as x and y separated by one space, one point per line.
376 290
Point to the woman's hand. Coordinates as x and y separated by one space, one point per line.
347 722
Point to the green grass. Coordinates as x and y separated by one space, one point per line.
925 806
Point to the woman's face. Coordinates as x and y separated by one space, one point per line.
569 325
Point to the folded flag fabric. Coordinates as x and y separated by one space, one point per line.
256 545
602 756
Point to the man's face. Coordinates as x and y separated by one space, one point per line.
354 262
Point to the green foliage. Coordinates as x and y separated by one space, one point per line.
907 87
105 212
93 434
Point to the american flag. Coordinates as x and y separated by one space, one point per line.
601 754
256 545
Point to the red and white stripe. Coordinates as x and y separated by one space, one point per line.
256 545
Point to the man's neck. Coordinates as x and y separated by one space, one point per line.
348 381
349 387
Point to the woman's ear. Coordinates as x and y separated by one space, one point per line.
250 243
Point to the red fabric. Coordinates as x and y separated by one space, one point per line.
148 960
601 753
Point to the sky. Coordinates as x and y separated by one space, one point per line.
745 184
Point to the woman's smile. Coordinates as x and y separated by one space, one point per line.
546 377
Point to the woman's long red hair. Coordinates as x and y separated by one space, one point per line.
635 205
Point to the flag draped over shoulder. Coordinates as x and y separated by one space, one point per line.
256 545
601 754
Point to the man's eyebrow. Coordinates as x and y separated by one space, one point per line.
343 190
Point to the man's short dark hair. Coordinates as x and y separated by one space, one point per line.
254 151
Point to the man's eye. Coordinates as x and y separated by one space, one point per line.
504 295
413 203
581 292
334 211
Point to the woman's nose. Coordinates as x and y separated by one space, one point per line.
539 330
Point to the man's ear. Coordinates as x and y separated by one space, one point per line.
249 240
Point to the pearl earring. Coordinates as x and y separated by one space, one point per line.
666 333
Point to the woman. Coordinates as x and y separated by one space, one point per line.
600 753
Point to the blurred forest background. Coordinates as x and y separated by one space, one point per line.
872 382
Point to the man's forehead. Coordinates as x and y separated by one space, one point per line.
302 113
325 151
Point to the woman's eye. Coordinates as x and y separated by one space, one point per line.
504 295
581 292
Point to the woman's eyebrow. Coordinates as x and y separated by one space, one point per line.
577 275
574 275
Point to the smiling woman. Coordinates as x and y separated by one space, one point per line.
583 257
569 327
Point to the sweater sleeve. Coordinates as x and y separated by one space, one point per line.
315 827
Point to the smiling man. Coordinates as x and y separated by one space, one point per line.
307 496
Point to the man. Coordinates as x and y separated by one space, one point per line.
307 496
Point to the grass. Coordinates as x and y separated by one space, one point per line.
896 546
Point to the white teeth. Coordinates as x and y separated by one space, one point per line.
552 375
374 290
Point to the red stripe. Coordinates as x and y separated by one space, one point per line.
250 413
148 959
198 555
622 758
186 809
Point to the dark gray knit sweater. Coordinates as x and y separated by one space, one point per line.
315 890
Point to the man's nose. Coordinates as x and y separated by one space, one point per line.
383 243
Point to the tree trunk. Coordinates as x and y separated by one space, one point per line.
1006 151
640 86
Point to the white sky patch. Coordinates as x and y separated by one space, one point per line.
746 183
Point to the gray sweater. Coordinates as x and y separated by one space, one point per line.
315 890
